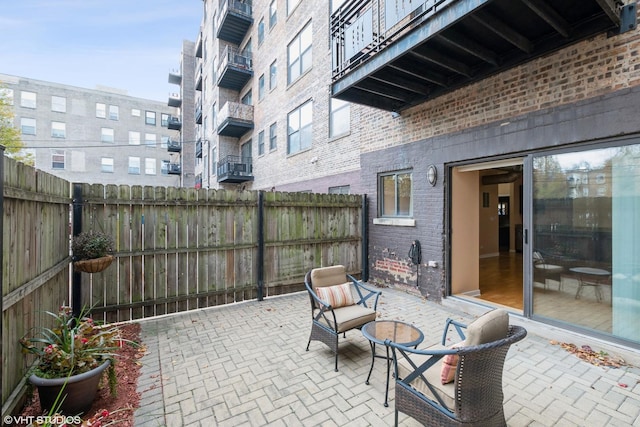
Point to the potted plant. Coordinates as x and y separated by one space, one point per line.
92 251
73 356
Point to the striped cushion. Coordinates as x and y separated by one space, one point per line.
449 365
336 296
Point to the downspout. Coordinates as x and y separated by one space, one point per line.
365 240
1 252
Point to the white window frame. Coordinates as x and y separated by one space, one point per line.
134 165
300 128
106 164
134 138
114 112
389 204
60 156
58 130
27 126
150 166
300 54
101 110
28 99
58 104
107 135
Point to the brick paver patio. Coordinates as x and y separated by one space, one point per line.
246 365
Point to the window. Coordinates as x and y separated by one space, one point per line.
273 136
340 117
273 13
150 117
291 5
261 143
150 139
58 130
58 104
247 99
134 165
300 128
164 167
299 54
28 126
394 190
106 135
261 87
272 75
114 112
27 99
134 138
106 165
164 141
7 94
214 161
135 112
261 31
341 189
101 110
57 159
149 166
164 120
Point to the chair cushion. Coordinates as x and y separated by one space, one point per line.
328 276
433 374
349 317
491 326
337 295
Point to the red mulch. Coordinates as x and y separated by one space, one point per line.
122 406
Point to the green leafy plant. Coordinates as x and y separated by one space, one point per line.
74 345
91 244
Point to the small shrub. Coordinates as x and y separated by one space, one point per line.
91 244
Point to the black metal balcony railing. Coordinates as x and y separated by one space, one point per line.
235 169
174 100
174 169
174 123
396 54
235 119
234 20
234 68
174 146
199 148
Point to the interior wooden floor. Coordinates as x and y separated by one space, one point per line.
501 280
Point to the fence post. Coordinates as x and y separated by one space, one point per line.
365 239
1 260
260 254
76 280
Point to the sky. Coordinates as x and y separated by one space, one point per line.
130 45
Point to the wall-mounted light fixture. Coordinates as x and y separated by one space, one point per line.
432 175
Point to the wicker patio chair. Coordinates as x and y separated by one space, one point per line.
474 397
339 303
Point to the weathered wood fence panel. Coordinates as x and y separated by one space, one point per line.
177 249
35 262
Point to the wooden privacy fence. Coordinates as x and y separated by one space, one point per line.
181 249
177 249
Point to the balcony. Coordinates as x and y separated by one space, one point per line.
174 169
234 69
174 100
199 114
392 56
198 51
235 170
234 20
199 148
199 79
235 119
174 146
175 77
174 123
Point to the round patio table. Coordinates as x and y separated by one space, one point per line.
378 331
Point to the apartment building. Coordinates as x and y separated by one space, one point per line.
97 136
485 130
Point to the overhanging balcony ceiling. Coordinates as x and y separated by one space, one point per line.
446 44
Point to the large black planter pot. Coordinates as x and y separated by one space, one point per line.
79 390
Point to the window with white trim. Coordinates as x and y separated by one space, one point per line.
134 165
28 99
395 194
299 54
101 110
106 164
58 104
107 135
134 138
149 166
300 128
150 139
57 159
28 126
58 130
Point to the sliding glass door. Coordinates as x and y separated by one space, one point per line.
586 239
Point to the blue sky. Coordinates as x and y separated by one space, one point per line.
125 44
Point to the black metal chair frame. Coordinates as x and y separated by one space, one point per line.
323 315
478 382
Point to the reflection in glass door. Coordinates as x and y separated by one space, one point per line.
586 239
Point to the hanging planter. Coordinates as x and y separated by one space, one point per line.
92 251
95 265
